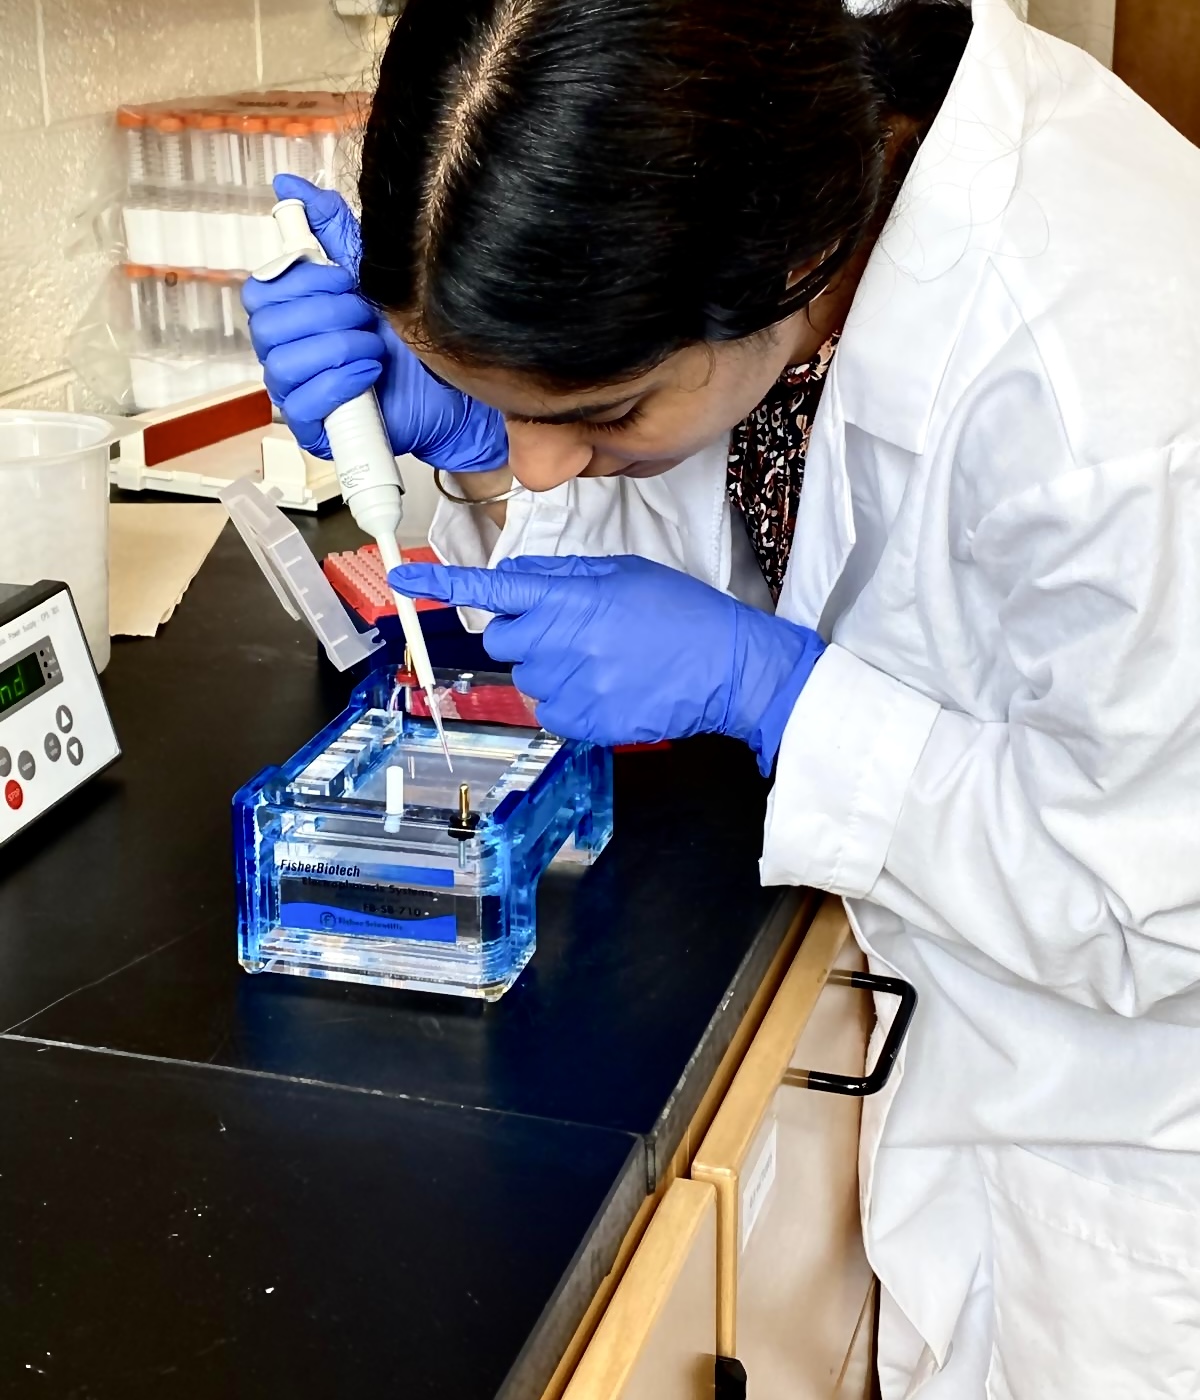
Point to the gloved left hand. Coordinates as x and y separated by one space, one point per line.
621 650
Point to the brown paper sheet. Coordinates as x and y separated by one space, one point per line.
154 553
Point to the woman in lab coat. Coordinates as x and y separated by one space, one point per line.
666 264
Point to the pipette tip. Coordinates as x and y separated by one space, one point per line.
436 712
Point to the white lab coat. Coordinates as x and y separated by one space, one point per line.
997 760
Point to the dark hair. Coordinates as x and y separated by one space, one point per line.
574 189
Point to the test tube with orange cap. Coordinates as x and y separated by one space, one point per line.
232 141
207 288
137 275
258 234
228 318
217 155
276 144
197 144
245 365
252 135
171 159
301 157
131 123
195 325
178 237
159 331
326 131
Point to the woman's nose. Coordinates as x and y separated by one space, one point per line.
542 456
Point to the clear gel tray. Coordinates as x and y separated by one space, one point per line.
335 882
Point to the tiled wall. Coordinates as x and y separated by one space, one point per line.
65 65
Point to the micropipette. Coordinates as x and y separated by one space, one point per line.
363 459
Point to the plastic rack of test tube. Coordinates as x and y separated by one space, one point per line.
197 220
188 334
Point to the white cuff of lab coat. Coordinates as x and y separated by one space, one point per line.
534 524
848 753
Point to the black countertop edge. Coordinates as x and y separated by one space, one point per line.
698 1073
547 1344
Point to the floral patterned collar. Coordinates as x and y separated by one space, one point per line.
767 452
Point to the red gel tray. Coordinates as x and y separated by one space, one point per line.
485 704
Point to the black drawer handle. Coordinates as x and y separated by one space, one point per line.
861 1086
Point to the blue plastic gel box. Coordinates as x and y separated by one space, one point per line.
363 859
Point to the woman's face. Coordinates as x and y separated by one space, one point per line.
642 427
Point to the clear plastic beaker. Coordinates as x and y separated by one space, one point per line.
54 510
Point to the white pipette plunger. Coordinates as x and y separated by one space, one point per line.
363 459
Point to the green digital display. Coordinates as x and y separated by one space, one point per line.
19 681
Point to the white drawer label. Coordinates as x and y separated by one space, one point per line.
758 1181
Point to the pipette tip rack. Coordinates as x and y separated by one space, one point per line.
359 579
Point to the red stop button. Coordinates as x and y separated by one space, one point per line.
13 794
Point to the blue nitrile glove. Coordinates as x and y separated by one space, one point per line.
624 651
321 345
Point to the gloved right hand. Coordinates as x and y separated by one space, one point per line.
621 650
321 345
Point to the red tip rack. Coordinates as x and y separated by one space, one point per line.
359 579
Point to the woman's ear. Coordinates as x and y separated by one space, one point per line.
798 274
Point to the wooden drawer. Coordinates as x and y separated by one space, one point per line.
657 1339
805 906
794 1288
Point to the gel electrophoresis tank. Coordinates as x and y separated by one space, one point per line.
363 859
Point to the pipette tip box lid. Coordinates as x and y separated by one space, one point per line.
296 578
361 859
321 596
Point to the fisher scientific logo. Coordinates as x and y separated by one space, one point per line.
319 867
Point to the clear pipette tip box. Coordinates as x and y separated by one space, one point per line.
356 861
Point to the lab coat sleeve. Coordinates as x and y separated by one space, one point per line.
1062 840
